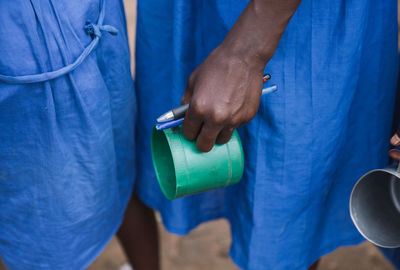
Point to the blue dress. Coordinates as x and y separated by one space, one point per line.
67 116
329 122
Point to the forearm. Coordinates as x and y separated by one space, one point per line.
256 34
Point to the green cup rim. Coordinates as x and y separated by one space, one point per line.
167 193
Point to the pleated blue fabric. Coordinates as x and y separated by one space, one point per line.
67 119
329 123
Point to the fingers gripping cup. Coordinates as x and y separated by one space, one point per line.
183 170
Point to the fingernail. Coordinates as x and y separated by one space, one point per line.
395 140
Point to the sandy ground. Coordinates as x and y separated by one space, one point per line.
207 247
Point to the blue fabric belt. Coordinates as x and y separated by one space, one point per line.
94 30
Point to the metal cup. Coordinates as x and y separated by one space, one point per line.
375 207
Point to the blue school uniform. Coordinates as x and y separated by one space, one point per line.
328 124
67 115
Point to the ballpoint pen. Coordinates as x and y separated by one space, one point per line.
180 111
177 122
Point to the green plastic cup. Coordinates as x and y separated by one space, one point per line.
183 170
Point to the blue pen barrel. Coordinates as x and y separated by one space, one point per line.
180 111
170 124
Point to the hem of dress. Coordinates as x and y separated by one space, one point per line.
213 215
322 252
93 256
107 240
207 216
183 232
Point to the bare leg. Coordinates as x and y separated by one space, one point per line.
2 266
314 266
139 236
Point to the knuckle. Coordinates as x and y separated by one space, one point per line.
198 107
219 116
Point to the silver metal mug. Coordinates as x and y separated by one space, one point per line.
375 207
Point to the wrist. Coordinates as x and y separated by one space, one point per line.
240 53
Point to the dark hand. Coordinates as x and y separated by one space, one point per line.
395 141
224 92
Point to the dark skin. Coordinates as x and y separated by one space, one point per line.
225 90
139 236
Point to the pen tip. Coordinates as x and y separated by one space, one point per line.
165 117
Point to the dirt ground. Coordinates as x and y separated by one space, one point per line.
207 247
